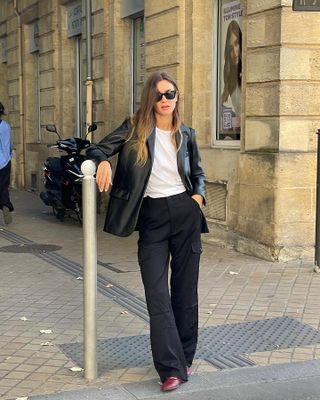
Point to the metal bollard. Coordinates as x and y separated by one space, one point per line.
89 268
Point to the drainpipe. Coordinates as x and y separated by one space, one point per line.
317 244
89 81
22 152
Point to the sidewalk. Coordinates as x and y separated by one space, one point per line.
251 312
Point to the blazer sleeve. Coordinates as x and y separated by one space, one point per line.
197 174
110 144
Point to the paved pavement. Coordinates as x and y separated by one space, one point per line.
41 318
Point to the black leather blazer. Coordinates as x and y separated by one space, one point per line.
130 180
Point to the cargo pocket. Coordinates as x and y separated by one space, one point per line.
196 247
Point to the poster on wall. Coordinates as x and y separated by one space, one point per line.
231 13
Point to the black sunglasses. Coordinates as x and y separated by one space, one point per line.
169 95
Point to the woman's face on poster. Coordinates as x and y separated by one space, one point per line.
234 48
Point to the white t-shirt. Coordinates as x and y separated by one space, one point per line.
164 179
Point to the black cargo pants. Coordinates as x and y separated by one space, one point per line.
171 227
4 187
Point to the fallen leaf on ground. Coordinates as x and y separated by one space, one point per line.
76 369
45 331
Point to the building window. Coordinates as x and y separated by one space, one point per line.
34 36
138 60
74 15
32 71
3 49
38 95
230 14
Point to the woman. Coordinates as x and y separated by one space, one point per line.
232 70
5 167
158 189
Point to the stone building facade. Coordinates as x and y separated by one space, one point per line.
258 150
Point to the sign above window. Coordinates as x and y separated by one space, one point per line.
131 7
306 5
74 19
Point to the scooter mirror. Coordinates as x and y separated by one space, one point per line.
92 127
51 128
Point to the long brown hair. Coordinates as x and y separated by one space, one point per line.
144 120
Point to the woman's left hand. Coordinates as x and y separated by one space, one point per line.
199 199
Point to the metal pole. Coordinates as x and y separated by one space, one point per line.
317 244
89 268
22 147
89 80
89 44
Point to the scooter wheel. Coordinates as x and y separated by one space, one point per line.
59 213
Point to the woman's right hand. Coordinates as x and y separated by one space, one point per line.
104 176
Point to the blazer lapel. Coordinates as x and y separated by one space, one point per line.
181 154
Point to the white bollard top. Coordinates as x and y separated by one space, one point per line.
88 168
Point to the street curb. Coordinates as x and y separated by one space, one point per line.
210 385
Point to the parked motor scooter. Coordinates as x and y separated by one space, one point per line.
63 176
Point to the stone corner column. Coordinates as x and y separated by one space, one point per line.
280 118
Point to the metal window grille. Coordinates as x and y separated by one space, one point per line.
216 205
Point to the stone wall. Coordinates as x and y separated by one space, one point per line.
278 163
